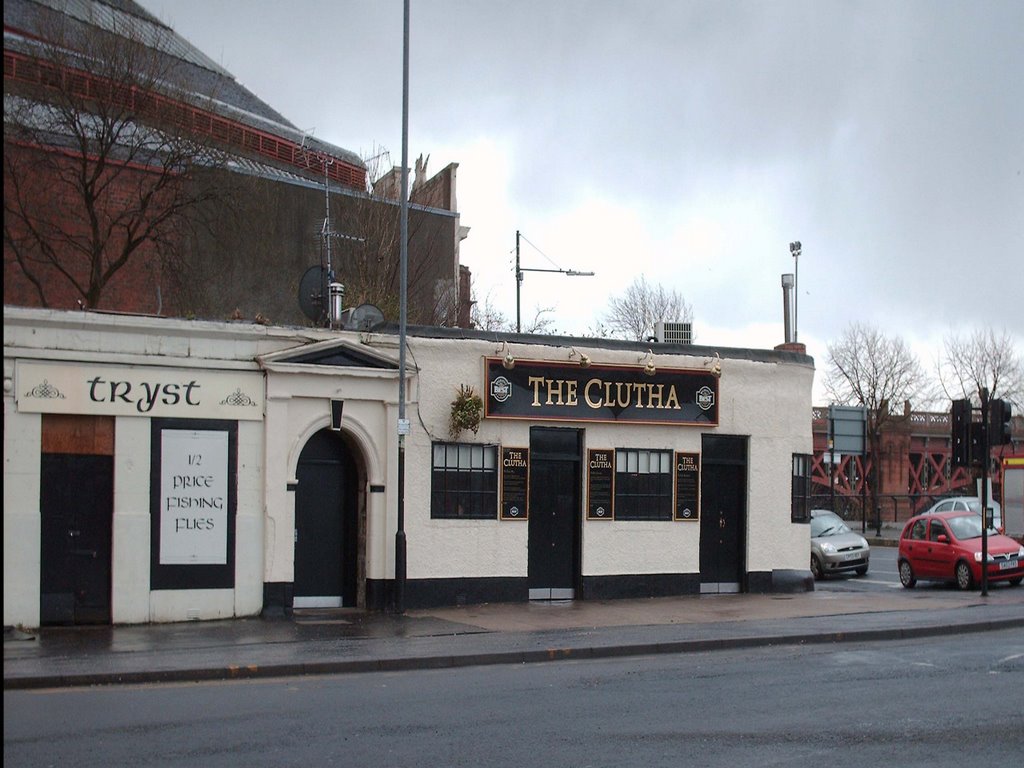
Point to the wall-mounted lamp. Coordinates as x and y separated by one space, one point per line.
648 361
508 361
584 360
714 365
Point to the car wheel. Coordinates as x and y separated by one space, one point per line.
907 578
964 577
1016 582
816 569
862 571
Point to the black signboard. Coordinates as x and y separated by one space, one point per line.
687 486
600 484
544 390
515 483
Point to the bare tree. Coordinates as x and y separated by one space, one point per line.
487 317
984 358
868 368
99 160
370 266
634 314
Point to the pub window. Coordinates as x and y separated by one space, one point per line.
464 481
801 494
643 485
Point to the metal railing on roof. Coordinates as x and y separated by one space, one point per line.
32 71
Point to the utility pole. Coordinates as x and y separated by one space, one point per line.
519 280
984 490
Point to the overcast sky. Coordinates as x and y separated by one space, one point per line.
688 142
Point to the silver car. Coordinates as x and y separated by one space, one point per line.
834 547
968 504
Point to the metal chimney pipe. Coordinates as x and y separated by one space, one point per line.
788 282
337 291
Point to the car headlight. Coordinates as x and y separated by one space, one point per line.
977 557
1020 552
864 543
829 548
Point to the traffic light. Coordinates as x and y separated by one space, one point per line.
999 412
961 434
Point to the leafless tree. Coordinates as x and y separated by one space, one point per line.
487 317
99 160
868 368
634 314
985 358
370 266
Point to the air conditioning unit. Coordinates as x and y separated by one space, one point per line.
673 333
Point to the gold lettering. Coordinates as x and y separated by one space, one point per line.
672 401
535 382
555 394
654 396
619 400
571 392
586 393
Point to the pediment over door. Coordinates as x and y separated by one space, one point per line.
337 354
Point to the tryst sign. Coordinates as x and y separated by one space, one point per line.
106 390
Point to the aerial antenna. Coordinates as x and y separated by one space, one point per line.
331 299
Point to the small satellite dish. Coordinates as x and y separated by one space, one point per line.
312 294
364 317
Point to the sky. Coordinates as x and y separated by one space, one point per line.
688 142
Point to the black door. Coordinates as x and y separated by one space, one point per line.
76 504
723 513
326 533
554 546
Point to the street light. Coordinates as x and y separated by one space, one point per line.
794 248
519 280
403 423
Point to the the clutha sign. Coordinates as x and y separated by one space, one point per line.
542 390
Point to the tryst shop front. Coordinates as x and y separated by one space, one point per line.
136 474
171 470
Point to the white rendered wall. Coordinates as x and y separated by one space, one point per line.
765 401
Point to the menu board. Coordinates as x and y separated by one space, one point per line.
515 483
600 484
687 486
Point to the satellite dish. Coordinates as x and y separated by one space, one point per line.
312 293
364 317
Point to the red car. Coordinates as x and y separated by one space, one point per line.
947 547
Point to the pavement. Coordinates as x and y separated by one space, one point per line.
338 641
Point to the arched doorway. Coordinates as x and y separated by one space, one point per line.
327 529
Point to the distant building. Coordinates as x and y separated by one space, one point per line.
915 467
243 254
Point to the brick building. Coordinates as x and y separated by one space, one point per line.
915 466
257 220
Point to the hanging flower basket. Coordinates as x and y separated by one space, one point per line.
467 408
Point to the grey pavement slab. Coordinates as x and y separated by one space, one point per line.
347 641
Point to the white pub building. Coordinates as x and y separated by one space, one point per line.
163 470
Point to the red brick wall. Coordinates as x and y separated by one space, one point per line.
139 286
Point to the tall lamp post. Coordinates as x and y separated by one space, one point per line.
403 423
519 280
794 248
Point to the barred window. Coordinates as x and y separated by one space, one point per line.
464 481
801 493
643 485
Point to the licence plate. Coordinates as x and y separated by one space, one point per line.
1007 565
851 556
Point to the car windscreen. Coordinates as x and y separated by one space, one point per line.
827 525
967 526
